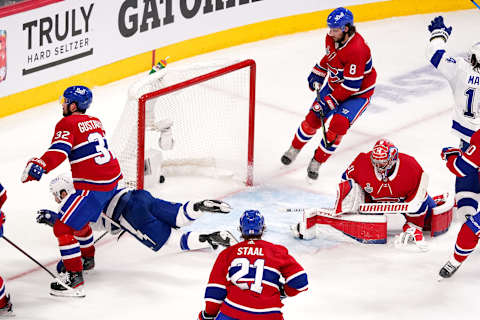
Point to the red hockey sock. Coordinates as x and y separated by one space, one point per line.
466 243
336 130
306 131
85 238
69 247
3 296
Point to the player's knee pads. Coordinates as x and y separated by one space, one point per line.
61 229
84 232
307 128
312 120
338 128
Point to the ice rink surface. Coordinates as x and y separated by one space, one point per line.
411 106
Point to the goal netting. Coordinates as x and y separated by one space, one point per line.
212 108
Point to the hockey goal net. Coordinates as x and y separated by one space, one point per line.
212 108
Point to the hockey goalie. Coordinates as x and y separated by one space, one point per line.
376 183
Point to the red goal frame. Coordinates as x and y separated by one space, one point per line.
249 63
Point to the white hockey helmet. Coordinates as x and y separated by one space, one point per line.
474 55
61 183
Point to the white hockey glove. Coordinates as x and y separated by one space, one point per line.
215 206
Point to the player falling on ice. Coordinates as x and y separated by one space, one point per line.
345 96
248 279
464 79
95 171
464 164
385 175
6 307
152 221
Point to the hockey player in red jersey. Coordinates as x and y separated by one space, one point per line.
249 279
5 304
379 176
463 164
351 82
95 173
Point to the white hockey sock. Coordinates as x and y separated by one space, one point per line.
182 241
186 215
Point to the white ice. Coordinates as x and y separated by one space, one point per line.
348 280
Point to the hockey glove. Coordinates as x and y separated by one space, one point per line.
330 102
215 206
2 221
47 217
34 170
438 29
316 77
205 316
450 151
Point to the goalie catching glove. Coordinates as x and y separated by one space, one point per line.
215 206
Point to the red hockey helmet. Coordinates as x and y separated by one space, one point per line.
384 156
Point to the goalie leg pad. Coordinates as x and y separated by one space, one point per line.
442 215
364 229
349 197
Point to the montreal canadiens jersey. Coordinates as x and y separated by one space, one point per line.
3 195
465 84
349 67
469 162
401 186
245 280
81 138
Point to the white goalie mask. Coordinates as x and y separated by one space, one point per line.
474 55
61 183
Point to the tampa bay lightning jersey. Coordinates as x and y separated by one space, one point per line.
465 84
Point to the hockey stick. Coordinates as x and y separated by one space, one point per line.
38 263
378 208
101 236
475 4
322 118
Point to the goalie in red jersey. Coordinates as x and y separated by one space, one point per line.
95 172
345 96
384 175
249 279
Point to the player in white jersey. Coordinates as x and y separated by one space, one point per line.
464 79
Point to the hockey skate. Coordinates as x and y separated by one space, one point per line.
74 281
7 310
222 238
448 270
214 206
290 155
312 170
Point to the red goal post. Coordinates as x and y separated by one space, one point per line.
143 100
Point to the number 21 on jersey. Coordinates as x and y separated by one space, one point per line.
243 274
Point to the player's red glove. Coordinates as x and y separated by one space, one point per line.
450 151
34 170
330 101
205 316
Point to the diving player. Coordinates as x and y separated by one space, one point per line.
351 82
154 222
464 79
